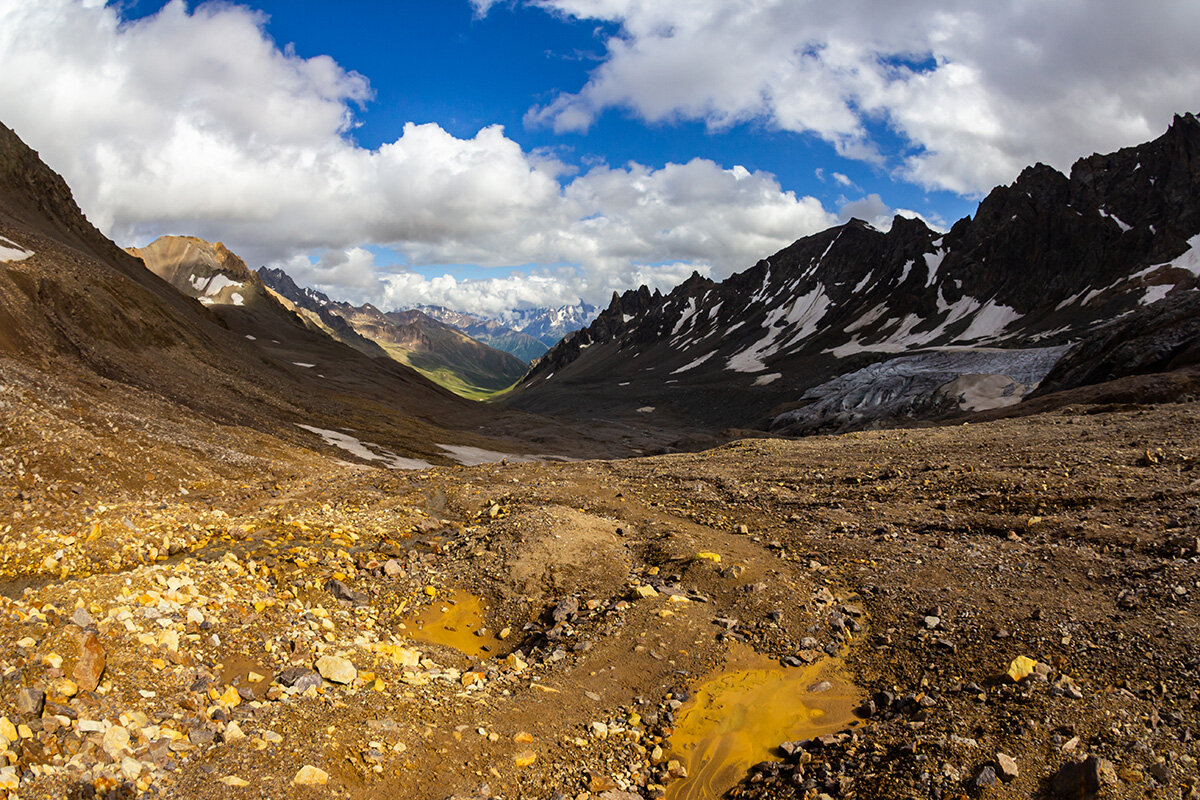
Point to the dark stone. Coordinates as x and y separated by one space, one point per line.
1083 779
299 678
343 592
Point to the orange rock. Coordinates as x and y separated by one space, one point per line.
91 663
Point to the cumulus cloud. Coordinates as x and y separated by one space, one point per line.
975 91
880 215
194 121
354 275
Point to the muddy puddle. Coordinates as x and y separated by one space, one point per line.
459 621
739 716
242 672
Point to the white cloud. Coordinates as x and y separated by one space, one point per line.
978 91
353 275
879 214
195 122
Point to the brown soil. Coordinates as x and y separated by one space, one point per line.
206 556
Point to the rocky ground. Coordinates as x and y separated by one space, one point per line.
199 611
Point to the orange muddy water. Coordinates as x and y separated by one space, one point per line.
738 717
453 621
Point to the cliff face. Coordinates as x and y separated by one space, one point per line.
1044 262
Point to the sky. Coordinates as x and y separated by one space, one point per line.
495 154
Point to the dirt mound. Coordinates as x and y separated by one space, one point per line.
555 551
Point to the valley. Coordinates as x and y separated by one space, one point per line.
245 552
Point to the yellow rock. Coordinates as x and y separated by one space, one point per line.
431 591
234 780
646 591
1021 668
524 758
231 698
523 737
311 776
8 730
708 557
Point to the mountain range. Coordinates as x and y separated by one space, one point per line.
441 352
191 344
852 327
490 331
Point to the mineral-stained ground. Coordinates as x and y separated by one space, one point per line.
1004 609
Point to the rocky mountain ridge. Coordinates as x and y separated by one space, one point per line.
1044 262
440 351
491 332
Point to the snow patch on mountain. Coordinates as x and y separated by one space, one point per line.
11 251
1190 260
990 322
693 364
805 311
365 450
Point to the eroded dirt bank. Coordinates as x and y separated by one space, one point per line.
216 632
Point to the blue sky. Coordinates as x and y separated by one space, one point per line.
505 154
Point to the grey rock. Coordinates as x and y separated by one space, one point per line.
343 592
82 618
985 777
299 678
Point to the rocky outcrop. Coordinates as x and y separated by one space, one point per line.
1044 262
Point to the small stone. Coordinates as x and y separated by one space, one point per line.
30 701
131 768
343 592
524 758
233 732
91 663
1007 766
115 742
8 731
1084 778
743 529
82 618
931 622
336 669
1020 668
393 568
10 779
234 781
311 776
985 777
299 678
646 591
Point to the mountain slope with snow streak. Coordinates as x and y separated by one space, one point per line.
1045 262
